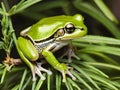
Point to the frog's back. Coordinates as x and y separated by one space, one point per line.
48 26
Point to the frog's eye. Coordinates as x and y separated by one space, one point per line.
60 32
70 28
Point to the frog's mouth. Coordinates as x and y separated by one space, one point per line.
75 34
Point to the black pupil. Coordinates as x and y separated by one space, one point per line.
70 28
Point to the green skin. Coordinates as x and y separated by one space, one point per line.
40 40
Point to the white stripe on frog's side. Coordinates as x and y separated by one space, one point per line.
41 45
52 45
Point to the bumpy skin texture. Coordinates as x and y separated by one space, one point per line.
35 41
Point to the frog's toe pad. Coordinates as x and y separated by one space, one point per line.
70 74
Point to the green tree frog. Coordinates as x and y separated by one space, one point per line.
47 36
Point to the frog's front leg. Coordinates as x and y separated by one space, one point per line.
70 53
54 62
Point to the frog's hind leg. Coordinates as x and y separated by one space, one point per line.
30 65
29 55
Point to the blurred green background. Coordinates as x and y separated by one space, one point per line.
99 68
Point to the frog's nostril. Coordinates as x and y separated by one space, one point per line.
81 28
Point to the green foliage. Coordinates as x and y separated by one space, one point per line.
99 65
7 40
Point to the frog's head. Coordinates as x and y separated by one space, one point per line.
72 28
60 27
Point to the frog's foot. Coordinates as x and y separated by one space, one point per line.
66 71
70 53
38 69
